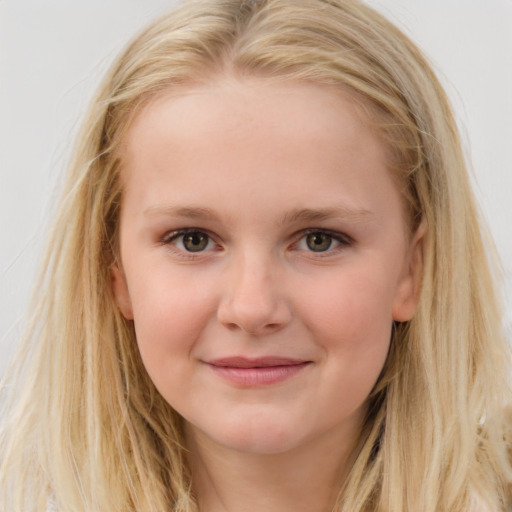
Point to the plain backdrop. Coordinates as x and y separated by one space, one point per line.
54 52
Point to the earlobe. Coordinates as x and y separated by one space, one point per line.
409 287
121 292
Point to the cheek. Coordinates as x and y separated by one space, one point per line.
169 316
355 302
351 319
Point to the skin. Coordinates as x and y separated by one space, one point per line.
255 166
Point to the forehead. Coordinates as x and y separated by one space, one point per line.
318 114
235 135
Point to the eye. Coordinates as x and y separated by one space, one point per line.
322 241
319 242
190 240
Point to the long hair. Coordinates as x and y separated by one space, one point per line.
84 428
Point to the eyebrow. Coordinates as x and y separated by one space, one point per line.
319 214
293 216
190 212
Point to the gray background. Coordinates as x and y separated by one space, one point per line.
53 53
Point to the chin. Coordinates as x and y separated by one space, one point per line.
269 443
257 435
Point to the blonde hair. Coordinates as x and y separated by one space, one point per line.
84 427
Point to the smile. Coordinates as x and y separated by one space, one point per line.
246 372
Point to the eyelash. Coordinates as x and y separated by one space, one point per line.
171 239
343 241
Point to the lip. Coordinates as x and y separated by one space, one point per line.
253 372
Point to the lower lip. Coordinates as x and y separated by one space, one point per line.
263 376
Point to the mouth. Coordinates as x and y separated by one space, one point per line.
254 372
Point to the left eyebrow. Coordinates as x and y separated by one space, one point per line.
314 214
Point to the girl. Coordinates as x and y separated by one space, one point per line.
267 287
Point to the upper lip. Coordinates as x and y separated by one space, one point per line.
256 362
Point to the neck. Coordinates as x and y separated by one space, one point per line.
304 479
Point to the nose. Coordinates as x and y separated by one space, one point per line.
253 297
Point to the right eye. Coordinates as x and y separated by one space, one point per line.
190 240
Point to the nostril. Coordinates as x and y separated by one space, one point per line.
253 301
264 330
256 322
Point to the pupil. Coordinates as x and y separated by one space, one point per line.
195 242
319 241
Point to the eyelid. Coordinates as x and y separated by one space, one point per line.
343 239
337 235
170 237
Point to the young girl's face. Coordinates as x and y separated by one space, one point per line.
264 256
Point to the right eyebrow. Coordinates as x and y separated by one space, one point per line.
190 212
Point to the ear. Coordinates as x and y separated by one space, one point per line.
409 287
121 293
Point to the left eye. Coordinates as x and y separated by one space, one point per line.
190 241
320 241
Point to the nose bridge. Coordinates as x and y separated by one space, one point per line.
254 299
